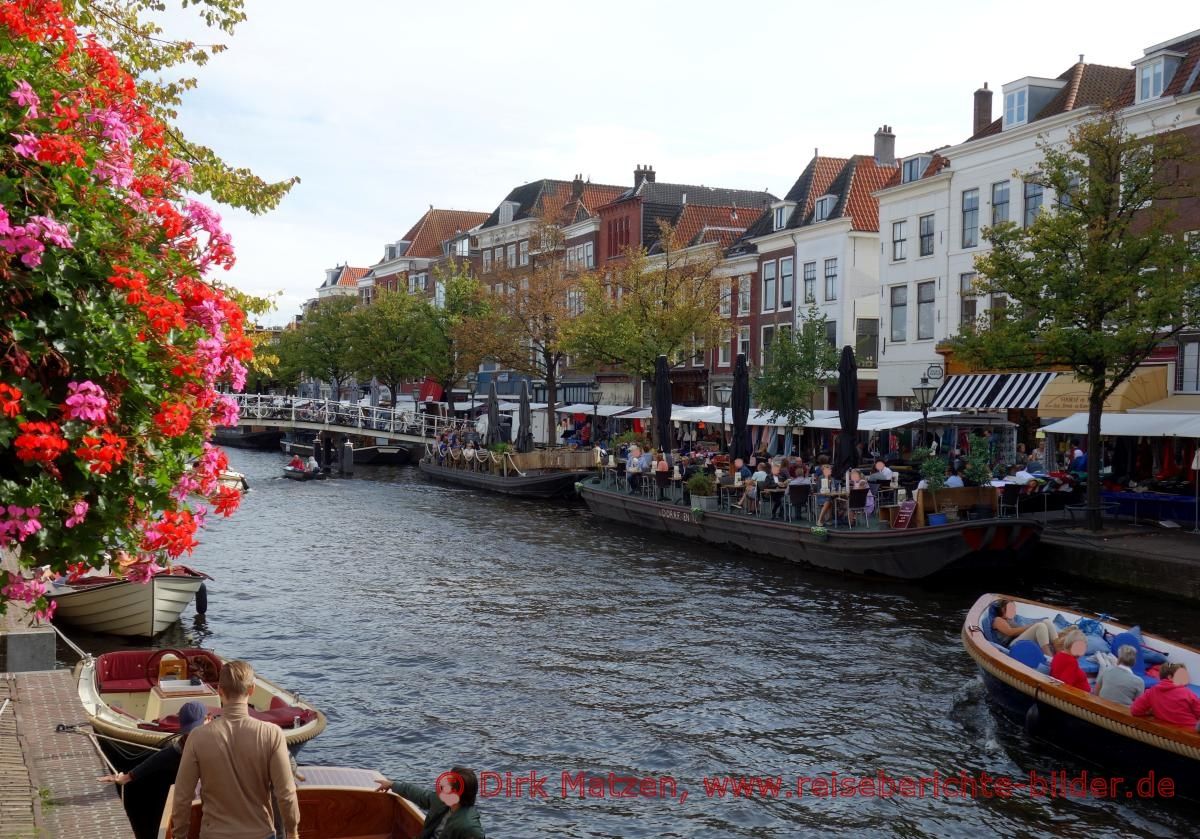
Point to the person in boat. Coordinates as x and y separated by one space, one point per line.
296 463
151 779
741 469
311 465
240 762
882 472
825 502
777 480
953 479
858 482
1171 700
450 809
633 468
661 465
1119 683
1065 664
1043 632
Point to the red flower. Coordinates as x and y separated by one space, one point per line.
102 453
40 441
173 419
10 400
227 501
174 534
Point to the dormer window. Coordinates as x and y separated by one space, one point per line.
824 208
783 213
1150 81
914 168
507 209
1016 111
1154 72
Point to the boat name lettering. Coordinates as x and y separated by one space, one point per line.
676 515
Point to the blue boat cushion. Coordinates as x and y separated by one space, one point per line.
1151 657
985 625
1089 665
1139 665
1028 653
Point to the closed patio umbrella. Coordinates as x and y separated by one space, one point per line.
740 403
662 402
845 455
525 435
493 415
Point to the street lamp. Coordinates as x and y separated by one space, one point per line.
595 392
722 392
923 393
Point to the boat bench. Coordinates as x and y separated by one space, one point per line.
125 671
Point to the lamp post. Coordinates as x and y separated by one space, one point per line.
722 392
472 383
595 393
923 393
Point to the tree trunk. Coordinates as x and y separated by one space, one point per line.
552 401
1095 409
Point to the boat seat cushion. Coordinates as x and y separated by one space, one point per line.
985 626
122 672
1148 655
1028 653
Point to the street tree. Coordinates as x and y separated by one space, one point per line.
1099 279
323 346
394 339
460 318
800 363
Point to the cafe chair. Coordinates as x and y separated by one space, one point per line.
798 495
1010 496
856 502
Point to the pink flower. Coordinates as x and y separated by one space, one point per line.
27 145
25 96
185 486
143 571
86 401
78 514
113 126
180 170
237 373
54 232
18 523
225 411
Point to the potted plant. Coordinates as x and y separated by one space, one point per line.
820 532
933 471
977 471
703 490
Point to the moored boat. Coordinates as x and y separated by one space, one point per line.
909 554
233 480
132 697
540 474
1083 723
336 802
116 606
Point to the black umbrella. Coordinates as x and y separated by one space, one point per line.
845 455
662 402
493 415
525 435
740 403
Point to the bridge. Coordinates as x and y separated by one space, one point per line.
395 424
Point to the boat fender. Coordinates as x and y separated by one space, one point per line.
1032 719
202 599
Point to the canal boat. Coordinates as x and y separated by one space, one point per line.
378 452
336 802
539 474
1083 723
248 437
233 480
111 605
907 554
132 697
294 474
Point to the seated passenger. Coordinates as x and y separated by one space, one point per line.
1043 632
1171 700
311 465
1065 664
1120 683
741 469
825 485
953 480
296 462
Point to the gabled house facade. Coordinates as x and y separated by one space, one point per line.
407 263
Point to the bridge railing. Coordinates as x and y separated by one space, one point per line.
369 420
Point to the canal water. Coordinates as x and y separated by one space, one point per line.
439 626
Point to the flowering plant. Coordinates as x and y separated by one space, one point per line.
114 340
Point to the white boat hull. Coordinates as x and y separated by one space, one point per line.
126 608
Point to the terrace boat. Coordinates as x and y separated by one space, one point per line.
1083 723
111 605
335 803
539 474
133 697
909 554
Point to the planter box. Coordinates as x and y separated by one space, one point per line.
707 503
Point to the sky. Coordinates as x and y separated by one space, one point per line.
383 108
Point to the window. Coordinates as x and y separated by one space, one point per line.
1014 107
487 261
744 294
998 304
417 282
914 168
768 286
524 251
899 240
810 282
1066 198
970 215
999 202
967 311
831 279
831 332
574 302
512 256
1033 202
781 217
899 313
723 356
866 342
787 282
726 299
764 348
744 341
697 352
925 294
589 255
824 208
1189 368
499 258
1150 81
926 235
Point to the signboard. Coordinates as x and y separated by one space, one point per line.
904 517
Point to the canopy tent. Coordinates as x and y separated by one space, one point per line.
513 407
1131 425
639 414
879 420
1066 395
700 413
469 406
1180 403
601 410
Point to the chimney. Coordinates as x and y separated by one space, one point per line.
642 173
983 108
577 188
885 146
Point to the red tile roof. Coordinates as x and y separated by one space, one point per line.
435 227
557 203
867 177
350 276
698 224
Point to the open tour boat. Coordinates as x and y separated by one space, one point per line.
335 803
133 697
103 603
1083 723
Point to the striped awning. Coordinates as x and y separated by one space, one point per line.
991 391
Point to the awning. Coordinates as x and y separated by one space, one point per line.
601 410
991 391
760 417
880 420
1068 395
1131 425
1180 403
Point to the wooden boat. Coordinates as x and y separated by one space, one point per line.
115 606
335 803
248 437
132 697
233 480
1084 723
539 474
910 554
293 474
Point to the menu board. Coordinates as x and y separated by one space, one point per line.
904 517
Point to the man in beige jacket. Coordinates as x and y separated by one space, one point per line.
238 761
